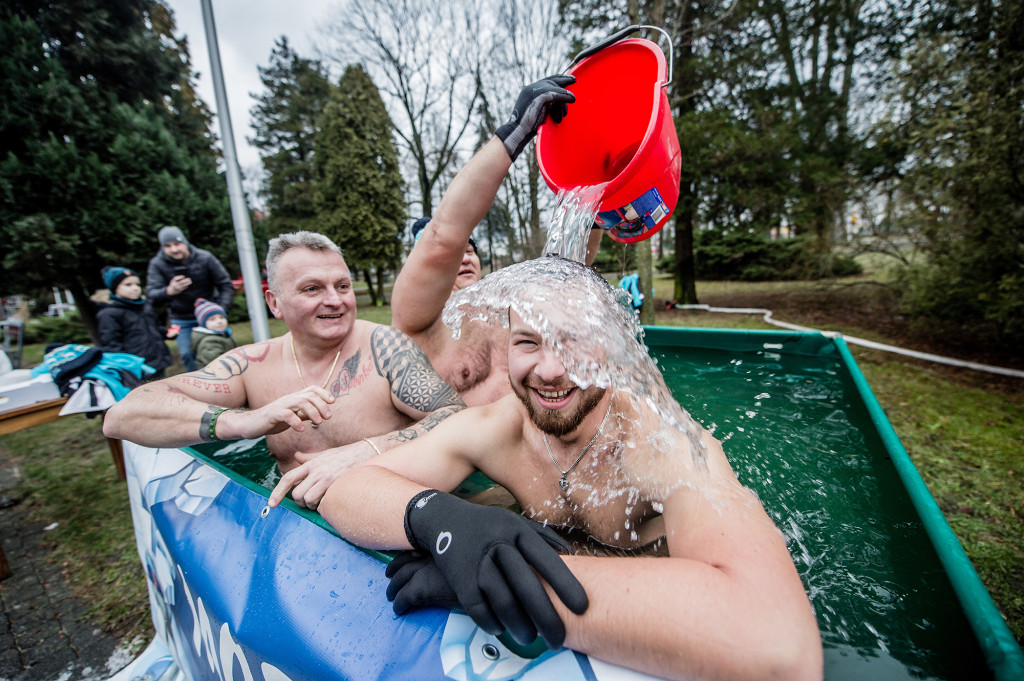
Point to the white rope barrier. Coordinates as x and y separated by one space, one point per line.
853 340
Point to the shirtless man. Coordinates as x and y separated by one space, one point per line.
727 602
443 259
330 393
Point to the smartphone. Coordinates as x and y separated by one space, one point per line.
180 270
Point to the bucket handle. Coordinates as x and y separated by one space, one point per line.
619 36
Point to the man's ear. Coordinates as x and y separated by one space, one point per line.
271 299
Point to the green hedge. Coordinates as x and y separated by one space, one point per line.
66 329
741 256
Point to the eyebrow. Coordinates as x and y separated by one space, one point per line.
522 329
306 279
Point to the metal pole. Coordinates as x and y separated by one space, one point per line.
239 209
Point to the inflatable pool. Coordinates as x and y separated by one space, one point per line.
239 591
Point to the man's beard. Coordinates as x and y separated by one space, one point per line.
556 422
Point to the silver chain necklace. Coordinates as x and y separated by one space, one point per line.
562 482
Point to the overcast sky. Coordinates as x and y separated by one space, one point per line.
246 31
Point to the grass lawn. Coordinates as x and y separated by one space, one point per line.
964 431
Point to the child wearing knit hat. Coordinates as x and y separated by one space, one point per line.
127 323
212 338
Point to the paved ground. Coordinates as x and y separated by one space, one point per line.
43 634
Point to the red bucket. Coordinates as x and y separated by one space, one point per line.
619 131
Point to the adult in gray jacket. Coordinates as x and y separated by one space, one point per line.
178 275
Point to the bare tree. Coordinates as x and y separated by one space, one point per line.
530 44
424 57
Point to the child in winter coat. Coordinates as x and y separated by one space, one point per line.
212 337
127 323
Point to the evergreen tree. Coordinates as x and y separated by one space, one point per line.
91 161
285 119
358 189
962 188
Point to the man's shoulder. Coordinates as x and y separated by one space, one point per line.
490 431
386 344
257 366
259 355
382 336
262 347
197 254
373 329
506 410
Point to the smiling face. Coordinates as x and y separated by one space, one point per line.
556 405
469 270
314 295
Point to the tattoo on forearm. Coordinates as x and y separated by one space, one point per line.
428 423
424 426
406 367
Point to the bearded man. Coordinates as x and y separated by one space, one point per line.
589 441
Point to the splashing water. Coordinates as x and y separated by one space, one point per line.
597 336
574 215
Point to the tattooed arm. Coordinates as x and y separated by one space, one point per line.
416 389
194 407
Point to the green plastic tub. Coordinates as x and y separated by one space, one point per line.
895 595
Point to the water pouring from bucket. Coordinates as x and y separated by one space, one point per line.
619 136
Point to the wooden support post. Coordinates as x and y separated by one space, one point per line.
117 452
5 569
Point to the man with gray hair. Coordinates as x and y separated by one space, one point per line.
332 392
178 275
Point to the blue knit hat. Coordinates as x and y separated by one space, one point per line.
113 276
206 309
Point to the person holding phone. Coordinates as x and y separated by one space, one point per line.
178 275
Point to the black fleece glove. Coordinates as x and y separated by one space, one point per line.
535 102
487 556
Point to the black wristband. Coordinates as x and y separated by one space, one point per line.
425 494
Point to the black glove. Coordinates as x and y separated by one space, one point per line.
417 582
487 556
536 101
